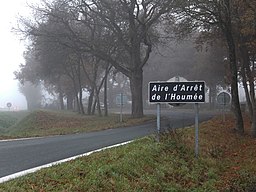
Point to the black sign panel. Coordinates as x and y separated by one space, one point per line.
177 92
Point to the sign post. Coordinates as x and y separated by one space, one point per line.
158 120
196 129
223 99
121 107
9 105
178 92
121 99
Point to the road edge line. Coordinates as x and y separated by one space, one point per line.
33 170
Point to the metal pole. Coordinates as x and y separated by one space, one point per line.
224 107
121 107
158 120
196 129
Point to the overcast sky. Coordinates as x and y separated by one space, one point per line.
11 51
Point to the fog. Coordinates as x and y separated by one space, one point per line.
11 54
171 59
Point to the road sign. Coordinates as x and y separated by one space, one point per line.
177 92
121 99
9 104
223 98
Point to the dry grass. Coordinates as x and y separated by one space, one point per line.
45 123
234 153
226 163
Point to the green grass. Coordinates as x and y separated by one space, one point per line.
46 123
8 119
226 163
143 165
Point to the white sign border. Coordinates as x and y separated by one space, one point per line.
175 82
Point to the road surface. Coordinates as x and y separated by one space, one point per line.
20 155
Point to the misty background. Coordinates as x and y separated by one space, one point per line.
182 58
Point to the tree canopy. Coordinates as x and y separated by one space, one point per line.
82 40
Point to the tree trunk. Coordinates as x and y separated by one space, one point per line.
61 100
29 106
234 86
253 125
247 74
80 88
81 101
247 94
244 70
106 94
78 109
94 106
227 28
212 96
253 99
77 105
136 81
70 99
252 96
90 102
98 104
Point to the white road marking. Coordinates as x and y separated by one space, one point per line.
20 139
32 170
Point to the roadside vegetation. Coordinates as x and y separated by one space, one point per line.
45 123
226 163
8 119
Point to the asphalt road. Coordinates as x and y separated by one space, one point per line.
19 155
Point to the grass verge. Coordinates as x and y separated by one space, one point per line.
141 166
9 119
46 123
226 163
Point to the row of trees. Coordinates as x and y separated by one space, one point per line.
76 44
204 62
82 39
234 21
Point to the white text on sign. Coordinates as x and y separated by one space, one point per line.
177 92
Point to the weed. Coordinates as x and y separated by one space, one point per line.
45 123
215 151
244 181
227 163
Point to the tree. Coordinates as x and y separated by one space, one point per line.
213 17
246 43
32 94
58 60
189 59
130 24
43 64
121 33
209 67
